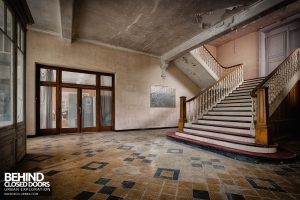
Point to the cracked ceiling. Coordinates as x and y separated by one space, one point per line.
150 26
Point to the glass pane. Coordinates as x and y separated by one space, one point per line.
22 39
20 87
6 81
47 75
106 107
88 108
47 107
69 108
1 15
106 81
78 78
18 35
9 24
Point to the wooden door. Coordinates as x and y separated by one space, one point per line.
276 48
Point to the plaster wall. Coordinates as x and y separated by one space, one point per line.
212 49
241 50
134 75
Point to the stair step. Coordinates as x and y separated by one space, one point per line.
252 82
248 108
235 137
219 129
247 100
230 112
238 93
238 97
228 118
254 79
221 105
245 125
238 90
246 148
245 87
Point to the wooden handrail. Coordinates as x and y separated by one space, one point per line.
253 92
220 63
229 73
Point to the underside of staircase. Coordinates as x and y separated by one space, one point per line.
226 127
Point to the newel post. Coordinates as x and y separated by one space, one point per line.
182 115
262 114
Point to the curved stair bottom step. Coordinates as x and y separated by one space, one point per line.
280 156
226 143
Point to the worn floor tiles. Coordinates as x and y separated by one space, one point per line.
147 165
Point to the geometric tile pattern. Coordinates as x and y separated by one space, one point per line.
94 165
165 173
176 151
200 194
88 167
84 195
264 183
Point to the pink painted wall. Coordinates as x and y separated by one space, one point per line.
241 50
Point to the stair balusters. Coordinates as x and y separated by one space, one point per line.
200 104
265 97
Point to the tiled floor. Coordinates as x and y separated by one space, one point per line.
147 165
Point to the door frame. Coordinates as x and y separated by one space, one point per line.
263 71
59 85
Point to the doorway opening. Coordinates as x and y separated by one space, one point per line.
72 101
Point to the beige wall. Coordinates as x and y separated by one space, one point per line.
212 50
134 73
242 50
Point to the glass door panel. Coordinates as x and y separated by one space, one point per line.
106 108
88 114
47 107
69 103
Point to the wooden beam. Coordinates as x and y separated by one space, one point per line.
67 14
224 26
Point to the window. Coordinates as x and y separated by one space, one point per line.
20 87
6 81
48 75
1 15
11 73
78 78
9 23
106 80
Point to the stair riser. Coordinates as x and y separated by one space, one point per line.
230 113
233 104
236 100
232 108
253 149
237 91
238 97
224 136
225 123
240 94
227 118
253 80
234 130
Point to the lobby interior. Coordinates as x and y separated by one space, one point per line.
152 99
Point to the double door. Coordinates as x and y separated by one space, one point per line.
78 109
70 101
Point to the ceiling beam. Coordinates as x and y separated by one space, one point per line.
67 14
227 25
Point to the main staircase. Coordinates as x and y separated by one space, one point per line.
227 125
231 115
